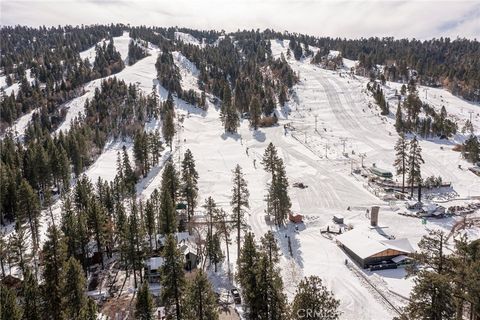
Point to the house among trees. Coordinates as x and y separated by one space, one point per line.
188 247
152 269
369 248
190 253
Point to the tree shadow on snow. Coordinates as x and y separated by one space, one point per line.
283 234
259 135
235 136
179 103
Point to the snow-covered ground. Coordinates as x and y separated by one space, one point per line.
187 38
15 86
142 73
188 71
105 167
121 44
338 106
21 124
341 109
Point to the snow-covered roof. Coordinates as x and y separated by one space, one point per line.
155 263
188 247
180 236
366 244
360 244
399 245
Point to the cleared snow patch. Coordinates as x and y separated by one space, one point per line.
187 38
188 71
121 44
105 166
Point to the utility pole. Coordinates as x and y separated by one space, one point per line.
316 121
426 89
343 140
326 148
362 156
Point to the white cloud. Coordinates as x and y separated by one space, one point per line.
419 19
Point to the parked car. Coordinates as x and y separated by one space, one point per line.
236 296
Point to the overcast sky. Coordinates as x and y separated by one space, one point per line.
351 19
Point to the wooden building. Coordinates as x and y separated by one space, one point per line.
369 248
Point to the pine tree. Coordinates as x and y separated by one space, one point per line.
255 112
90 312
168 128
134 237
270 159
313 297
270 284
461 262
471 149
210 207
190 182
231 120
431 297
172 279
18 248
75 300
239 202
140 152
97 224
278 200
399 119
167 218
200 299
129 178
29 210
170 181
54 256
31 297
4 252
228 112
247 264
214 250
432 294
9 308
414 162
150 222
224 229
144 307
400 163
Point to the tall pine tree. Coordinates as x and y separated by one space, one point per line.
239 202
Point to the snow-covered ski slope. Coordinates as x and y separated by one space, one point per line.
187 38
142 73
338 104
188 71
121 44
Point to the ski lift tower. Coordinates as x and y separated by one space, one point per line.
362 156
